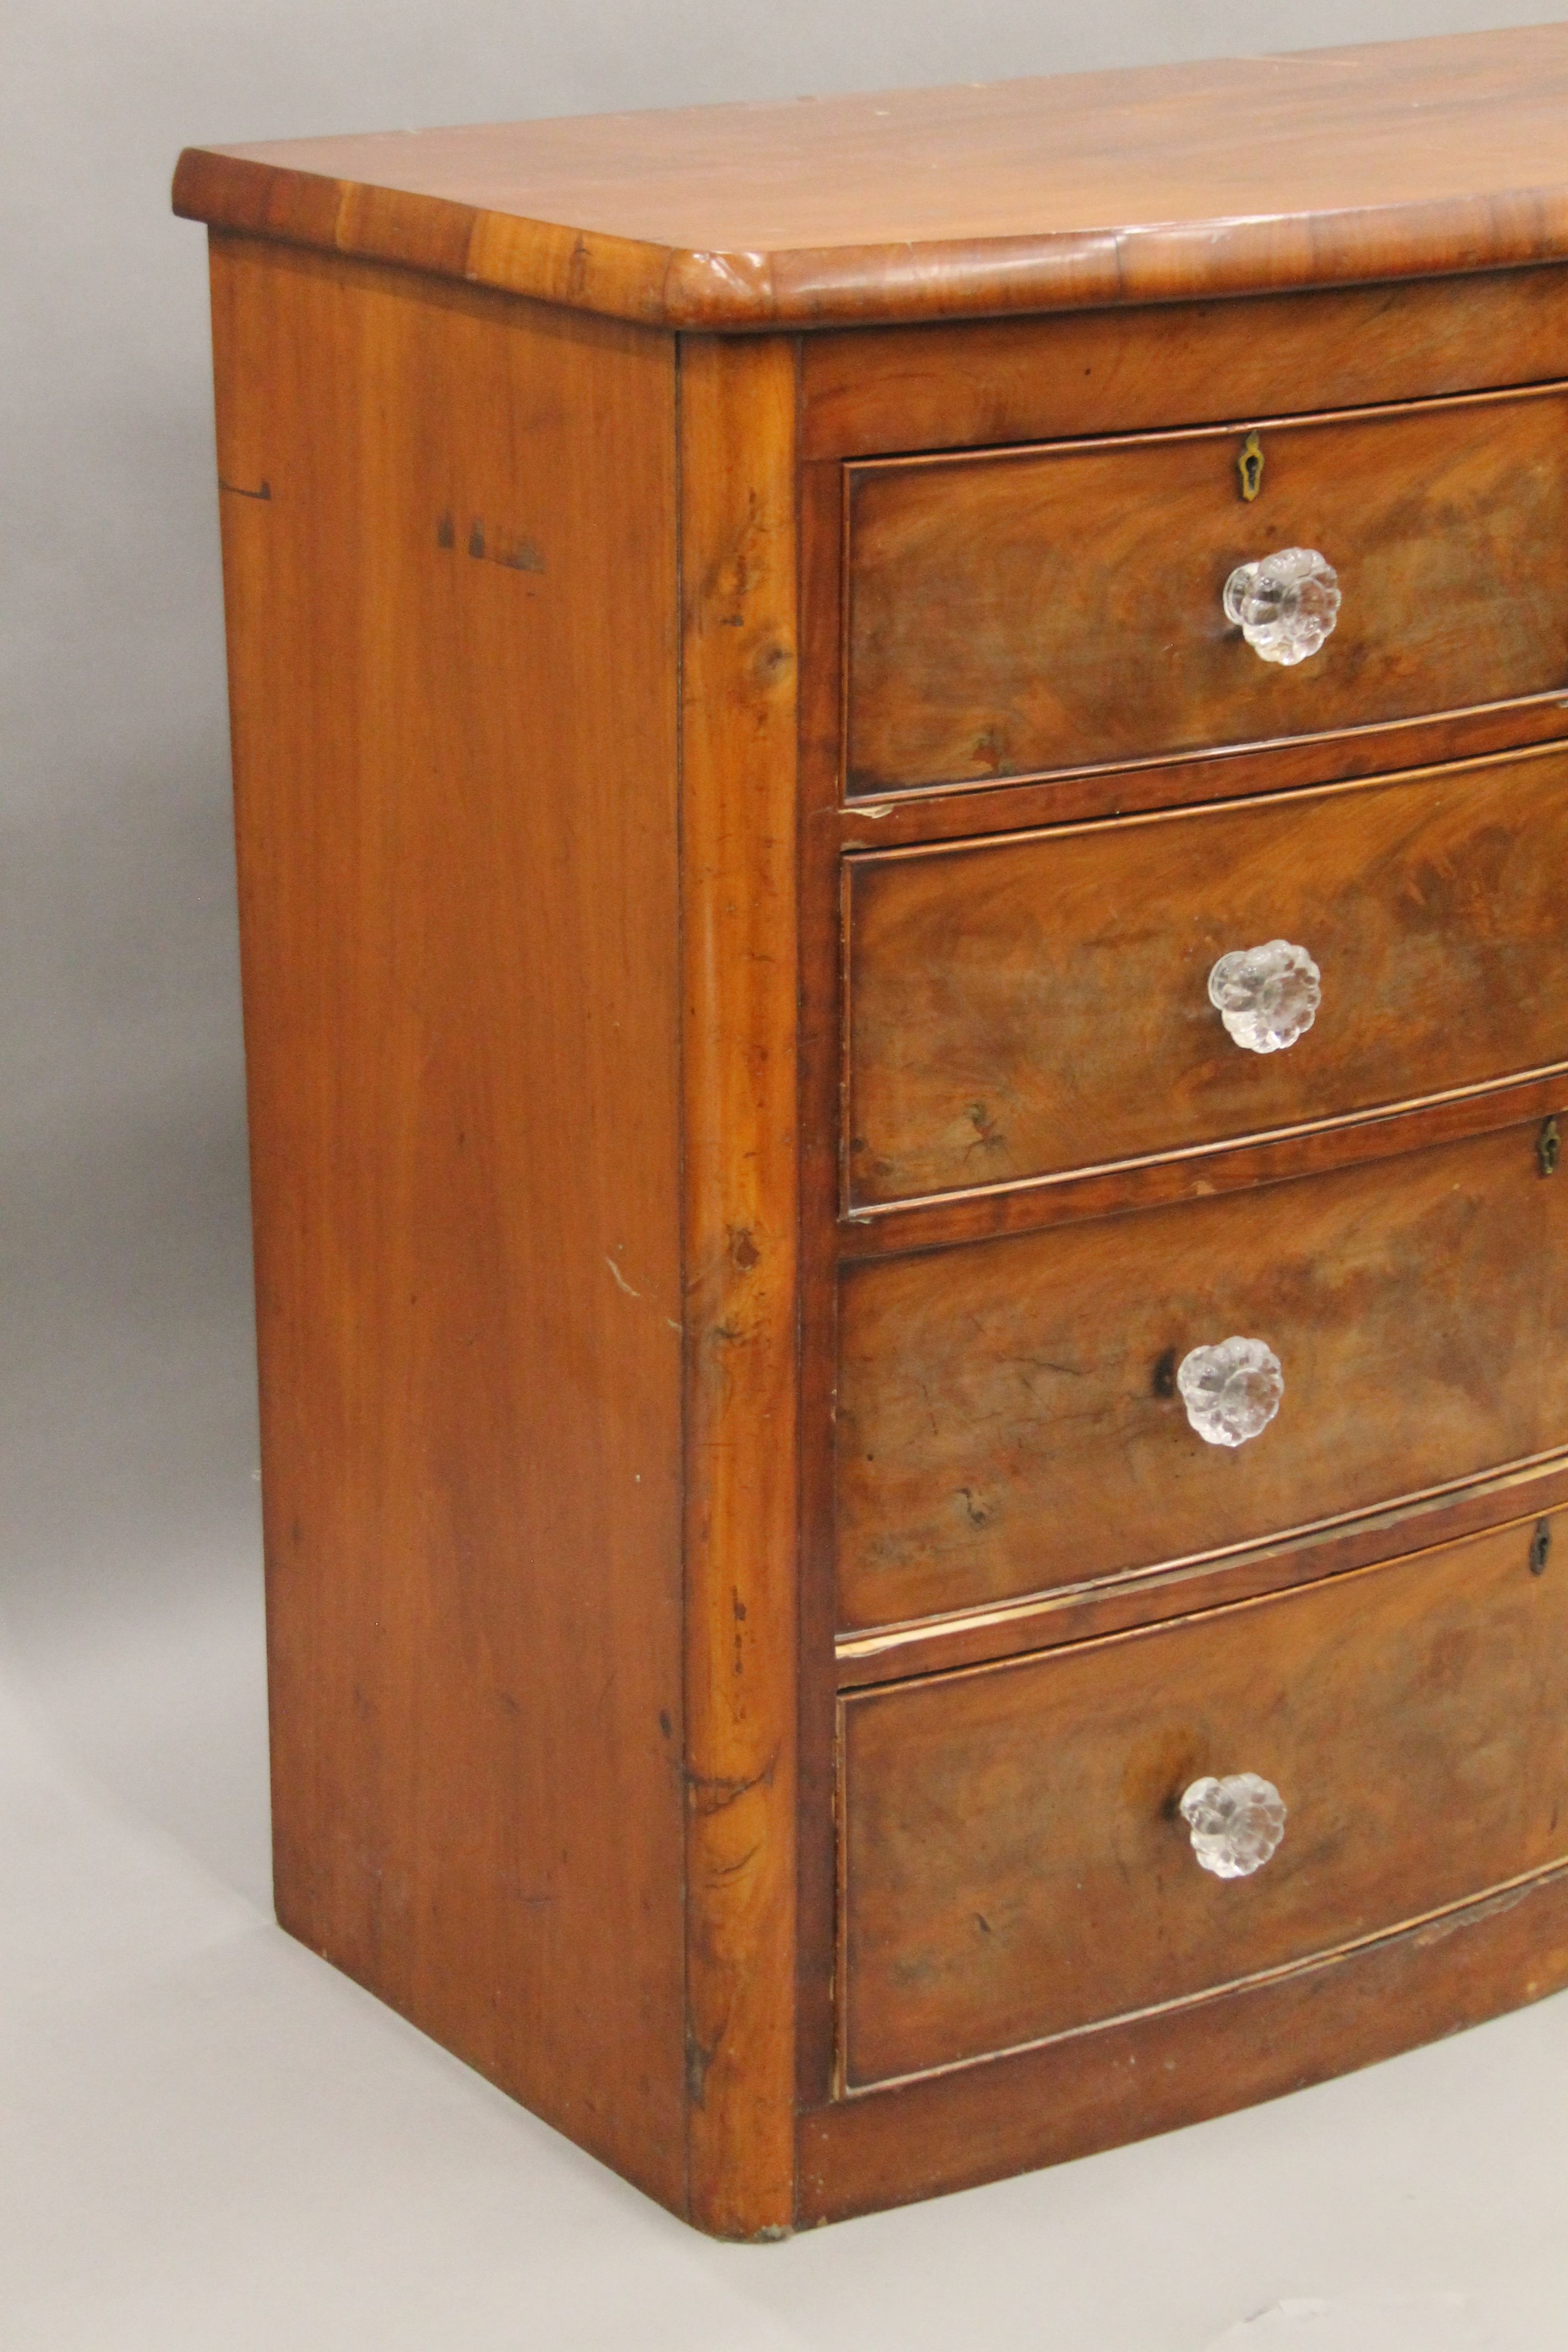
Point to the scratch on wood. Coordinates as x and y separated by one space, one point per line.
732 1869
711 1794
1472 1914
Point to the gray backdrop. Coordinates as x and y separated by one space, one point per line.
130 1629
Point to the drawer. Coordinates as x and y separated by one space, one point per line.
1014 1863
1025 1006
1009 1415
1041 609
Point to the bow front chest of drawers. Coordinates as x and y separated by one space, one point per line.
903 778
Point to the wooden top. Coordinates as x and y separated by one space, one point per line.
1407 159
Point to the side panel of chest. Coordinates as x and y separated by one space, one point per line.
449 540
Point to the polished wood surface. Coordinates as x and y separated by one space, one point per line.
867 390
1175 2066
737 1031
1014 1863
1016 612
820 1110
1034 1205
955 812
449 541
948 812
1049 1620
1405 159
1007 1419
625 1476
1023 1006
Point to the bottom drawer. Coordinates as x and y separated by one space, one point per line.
1016 1862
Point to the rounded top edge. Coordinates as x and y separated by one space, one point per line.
925 281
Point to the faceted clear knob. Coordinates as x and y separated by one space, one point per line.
1232 1391
1285 604
1267 996
1235 1823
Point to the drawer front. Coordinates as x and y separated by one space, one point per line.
1060 607
1015 1861
1023 1007
1008 1416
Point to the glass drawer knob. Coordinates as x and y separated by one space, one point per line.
1232 1391
1285 604
1235 1823
1267 996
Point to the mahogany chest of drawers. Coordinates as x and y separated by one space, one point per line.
903 781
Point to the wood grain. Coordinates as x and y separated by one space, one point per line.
820 510
1056 1620
1008 1422
449 535
1033 1204
741 995
1406 159
1178 2065
1013 613
587 1417
1025 1006
869 390
1079 795
1015 1866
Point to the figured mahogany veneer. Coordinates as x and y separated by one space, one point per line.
1013 613
1414 1716
724 1244
1007 1413
866 390
1032 1004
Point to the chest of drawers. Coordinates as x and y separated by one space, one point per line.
902 787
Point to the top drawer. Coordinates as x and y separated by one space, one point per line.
1038 610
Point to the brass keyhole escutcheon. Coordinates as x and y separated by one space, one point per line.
1249 465
1549 1147
1540 1548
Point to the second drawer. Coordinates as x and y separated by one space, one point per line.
1026 1006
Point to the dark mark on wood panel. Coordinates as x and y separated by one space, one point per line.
488 545
698 2059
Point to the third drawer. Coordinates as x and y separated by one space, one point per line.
1008 1414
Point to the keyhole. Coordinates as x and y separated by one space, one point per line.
1540 1548
1249 465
